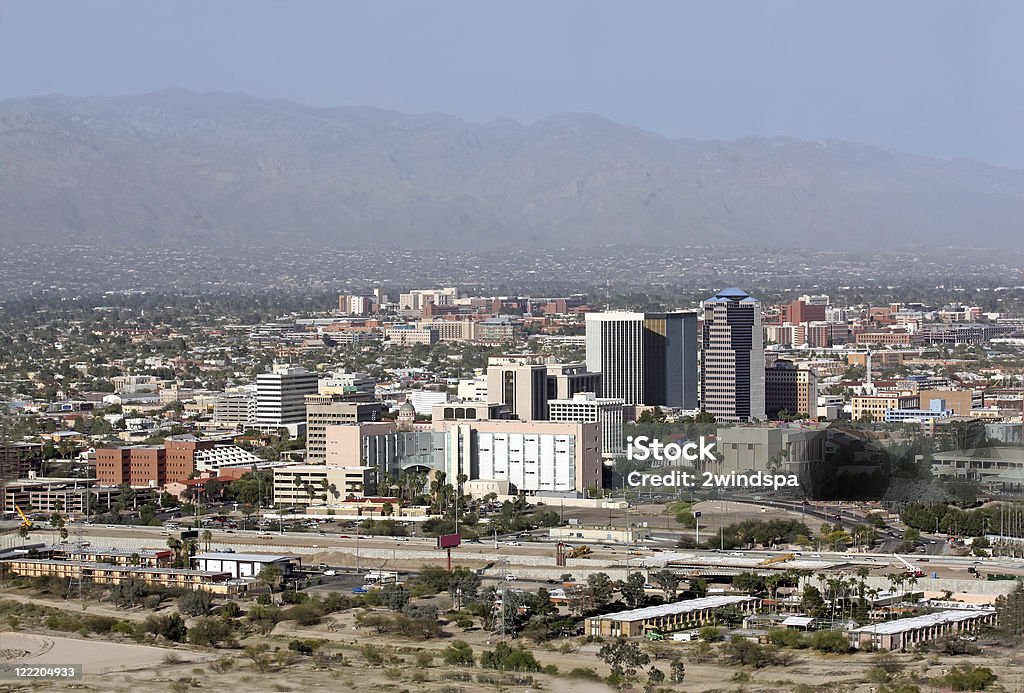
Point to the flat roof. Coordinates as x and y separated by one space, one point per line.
903 625
253 557
120 568
678 607
797 621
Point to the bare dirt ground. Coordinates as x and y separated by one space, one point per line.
123 667
97 656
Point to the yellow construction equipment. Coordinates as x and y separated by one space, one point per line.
580 551
25 522
778 559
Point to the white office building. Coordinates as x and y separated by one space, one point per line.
281 396
586 407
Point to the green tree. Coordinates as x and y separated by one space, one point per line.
598 592
632 589
623 657
677 670
209 631
668 582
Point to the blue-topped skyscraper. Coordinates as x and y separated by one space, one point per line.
645 358
732 357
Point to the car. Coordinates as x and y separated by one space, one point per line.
405 539
344 536
322 533
510 577
512 543
111 526
227 550
322 566
551 582
359 590
815 555
262 533
922 560
736 553
330 573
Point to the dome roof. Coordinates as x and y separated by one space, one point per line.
407 408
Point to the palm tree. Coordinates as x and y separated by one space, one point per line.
863 572
189 548
174 544
207 537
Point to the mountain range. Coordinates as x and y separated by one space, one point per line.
179 168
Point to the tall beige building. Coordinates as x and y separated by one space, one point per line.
321 414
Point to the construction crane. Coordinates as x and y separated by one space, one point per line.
778 559
911 571
25 522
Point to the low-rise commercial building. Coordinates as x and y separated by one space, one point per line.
666 618
309 484
907 632
243 565
109 574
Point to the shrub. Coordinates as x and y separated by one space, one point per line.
424 659
230 610
170 627
293 597
508 658
709 634
208 632
197 603
969 678
373 656
307 613
458 653
305 647
830 641
787 637
584 673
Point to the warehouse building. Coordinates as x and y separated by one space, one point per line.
666 618
907 632
242 565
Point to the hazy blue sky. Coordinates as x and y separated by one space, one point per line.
928 76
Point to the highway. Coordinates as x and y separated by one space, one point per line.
533 550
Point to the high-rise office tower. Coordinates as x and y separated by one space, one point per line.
281 395
521 383
732 357
645 358
790 389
